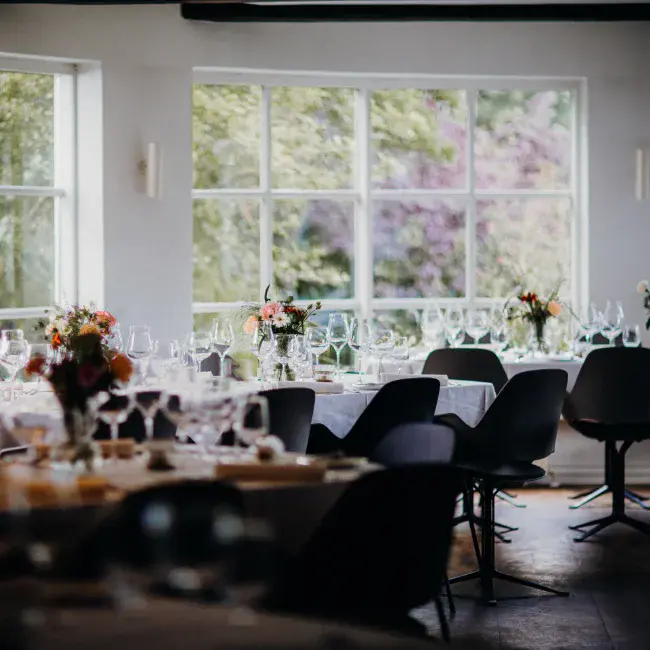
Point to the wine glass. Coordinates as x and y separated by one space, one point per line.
432 326
382 343
454 326
140 347
359 340
253 420
477 325
115 341
338 332
610 323
174 354
297 354
260 346
14 351
115 411
200 348
631 336
400 352
280 352
148 402
317 342
223 338
499 330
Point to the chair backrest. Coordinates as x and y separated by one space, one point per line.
213 364
384 545
521 424
612 387
415 443
398 402
473 364
290 414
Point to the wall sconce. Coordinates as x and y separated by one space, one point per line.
151 169
641 183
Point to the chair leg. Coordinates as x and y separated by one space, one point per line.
510 499
444 624
636 495
508 529
450 598
590 496
528 583
635 498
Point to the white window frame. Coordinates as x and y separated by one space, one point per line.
364 301
63 190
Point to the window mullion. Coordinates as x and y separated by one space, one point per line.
470 212
363 227
266 205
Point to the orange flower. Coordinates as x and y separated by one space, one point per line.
35 366
89 328
56 340
554 308
121 367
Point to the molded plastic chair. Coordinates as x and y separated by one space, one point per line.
290 414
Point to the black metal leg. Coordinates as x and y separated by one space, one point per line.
636 495
634 498
512 500
593 522
444 625
508 529
528 583
450 598
502 538
582 495
590 496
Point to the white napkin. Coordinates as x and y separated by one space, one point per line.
319 387
443 379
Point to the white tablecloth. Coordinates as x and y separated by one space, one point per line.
469 400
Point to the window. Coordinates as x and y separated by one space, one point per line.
36 196
382 199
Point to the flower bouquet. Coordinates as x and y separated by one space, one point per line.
536 311
283 318
65 324
81 381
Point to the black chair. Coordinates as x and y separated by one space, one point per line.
610 403
380 551
290 414
519 428
415 443
398 402
472 364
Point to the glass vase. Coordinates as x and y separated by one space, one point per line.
538 345
78 451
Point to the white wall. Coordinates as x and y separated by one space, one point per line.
146 56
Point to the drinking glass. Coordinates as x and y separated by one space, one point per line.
115 411
148 402
115 341
280 352
454 326
317 341
477 324
174 354
382 343
499 330
297 354
432 326
261 340
223 338
338 332
200 348
400 352
631 336
140 346
610 323
359 340
14 351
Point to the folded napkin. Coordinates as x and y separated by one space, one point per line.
443 379
319 387
269 471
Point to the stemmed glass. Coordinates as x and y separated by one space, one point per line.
432 326
261 341
477 324
499 330
610 323
400 352
174 353
317 342
223 338
115 411
382 343
454 326
14 351
140 347
631 336
359 340
298 354
148 402
115 341
338 332
200 348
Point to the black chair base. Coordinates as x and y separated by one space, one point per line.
510 499
588 497
606 522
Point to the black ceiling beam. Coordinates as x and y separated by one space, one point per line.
271 13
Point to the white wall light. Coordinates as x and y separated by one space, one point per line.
641 181
151 169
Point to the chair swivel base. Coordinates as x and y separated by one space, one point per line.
509 498
606 522
487 575
588 497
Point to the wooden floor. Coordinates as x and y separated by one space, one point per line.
608 577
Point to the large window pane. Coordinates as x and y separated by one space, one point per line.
313 246
226 251
312 138
419 248
27 254
526 239
26 129
523 140
419 139
226 131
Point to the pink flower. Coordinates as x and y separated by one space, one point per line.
250 325
270 309
105 318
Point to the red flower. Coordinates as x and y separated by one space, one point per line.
35 366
